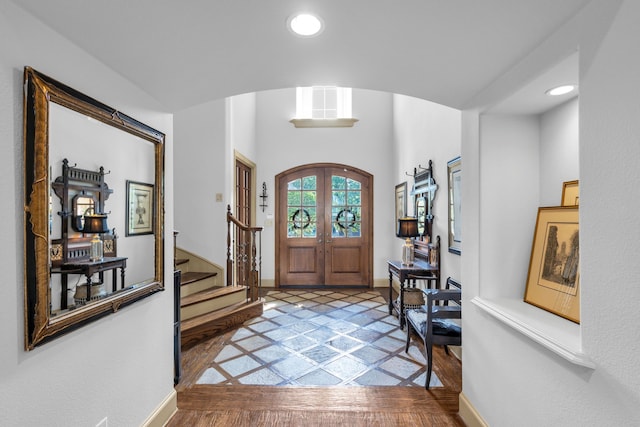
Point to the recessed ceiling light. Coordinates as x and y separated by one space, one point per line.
305 25
560 90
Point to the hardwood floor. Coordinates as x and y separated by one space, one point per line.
202 405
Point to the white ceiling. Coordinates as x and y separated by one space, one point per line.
191 51
532 99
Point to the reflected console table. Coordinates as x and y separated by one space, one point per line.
88 269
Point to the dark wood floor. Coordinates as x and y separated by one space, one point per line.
243 405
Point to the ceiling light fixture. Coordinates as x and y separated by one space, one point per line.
305 25
560 90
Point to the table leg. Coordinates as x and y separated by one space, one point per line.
88 288
122 277
64 296
390 293
401 310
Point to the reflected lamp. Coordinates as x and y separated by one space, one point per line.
407 228
95 224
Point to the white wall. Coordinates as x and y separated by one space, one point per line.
207 136
509 378
242 124
114 367
201 161
424 131
509 200
559 144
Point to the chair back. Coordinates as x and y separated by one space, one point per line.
443 331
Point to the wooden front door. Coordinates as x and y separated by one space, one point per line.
324 225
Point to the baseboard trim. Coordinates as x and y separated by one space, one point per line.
268 283
468 413
163 412
381 283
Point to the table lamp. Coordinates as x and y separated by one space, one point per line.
95 224
407 228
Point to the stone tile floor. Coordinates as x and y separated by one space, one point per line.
320 338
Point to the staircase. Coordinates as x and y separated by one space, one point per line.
207 306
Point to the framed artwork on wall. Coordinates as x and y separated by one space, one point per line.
553 281
454 175
570 193
140 205
401 201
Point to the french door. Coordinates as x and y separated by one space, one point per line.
243 213
324 226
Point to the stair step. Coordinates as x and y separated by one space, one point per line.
211 324
180 261
211 300
209 294
194 276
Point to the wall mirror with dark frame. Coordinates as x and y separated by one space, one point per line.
79 155
424 192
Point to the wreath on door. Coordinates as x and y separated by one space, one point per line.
345 216
301 219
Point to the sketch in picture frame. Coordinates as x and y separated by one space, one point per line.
454 178
140 205
553 280
401 201
570 193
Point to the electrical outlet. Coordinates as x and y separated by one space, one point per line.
218 197
103 423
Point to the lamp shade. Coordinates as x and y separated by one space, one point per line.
95 224
407 227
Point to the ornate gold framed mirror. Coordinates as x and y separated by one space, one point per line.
65 287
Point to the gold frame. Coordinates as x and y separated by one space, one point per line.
553 281
571 193
40 90
401 202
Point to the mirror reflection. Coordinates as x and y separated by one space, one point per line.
89 187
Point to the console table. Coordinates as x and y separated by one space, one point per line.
407 275
89 268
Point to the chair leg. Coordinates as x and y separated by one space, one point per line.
428 351
446 349
406 347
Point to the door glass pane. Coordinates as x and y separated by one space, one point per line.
338 182
294 185
353 184
346 204
309 183
301 208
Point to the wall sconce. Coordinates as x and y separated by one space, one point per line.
407 228
264 196
95 224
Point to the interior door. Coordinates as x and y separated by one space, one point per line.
243 213
324 226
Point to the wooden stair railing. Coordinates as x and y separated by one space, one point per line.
249 262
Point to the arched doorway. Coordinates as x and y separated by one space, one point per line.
324 217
